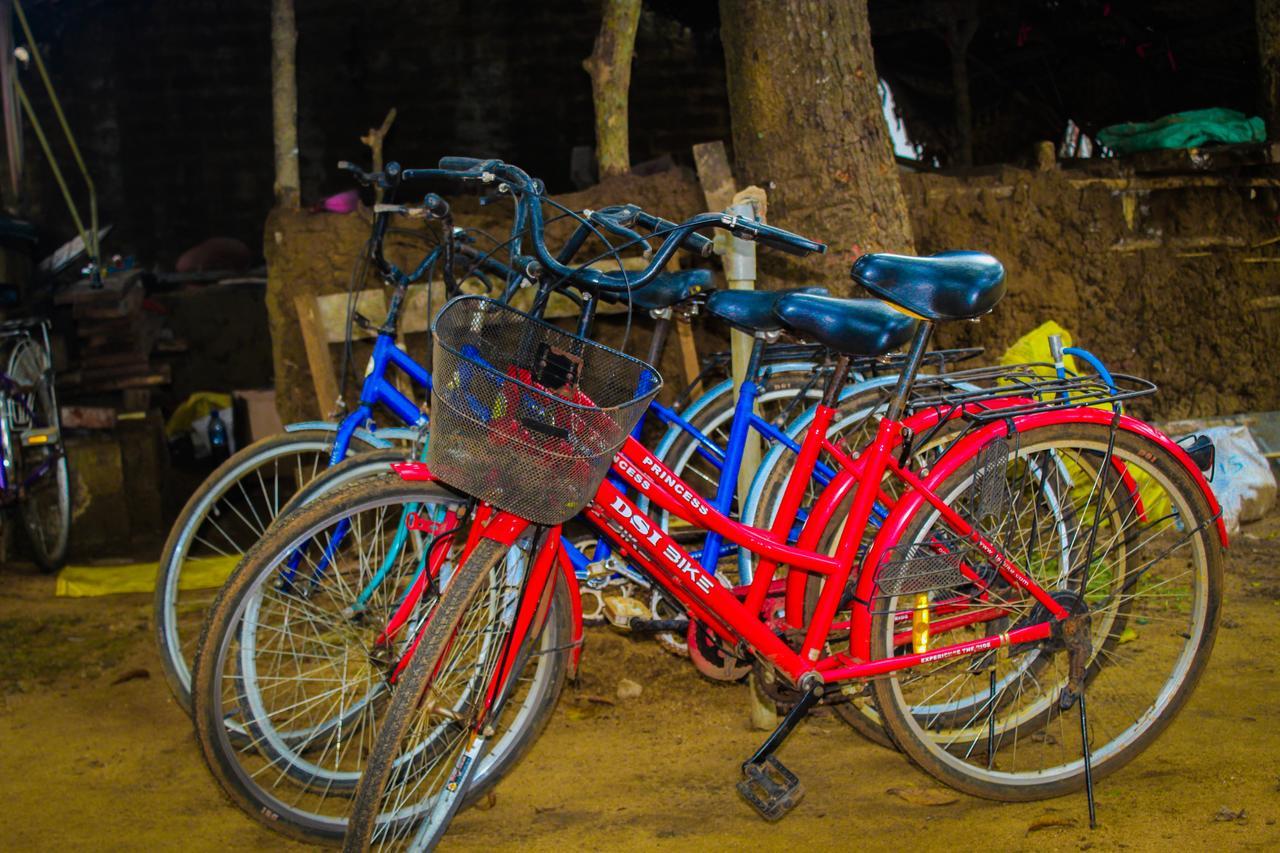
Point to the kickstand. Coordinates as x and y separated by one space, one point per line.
991 719
1079 648
1088 761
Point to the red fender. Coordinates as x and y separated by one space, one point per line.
413 472
575 603
963 452
839 487
844 481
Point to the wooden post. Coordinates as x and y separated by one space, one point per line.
316 342
740 271
610 68
284 102
374 139
739 258
718 187
712 162
1267 19
959 34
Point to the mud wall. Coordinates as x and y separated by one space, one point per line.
1171 284
1168 284
315 253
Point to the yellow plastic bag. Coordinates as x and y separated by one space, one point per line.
195 407
84 581
1033 347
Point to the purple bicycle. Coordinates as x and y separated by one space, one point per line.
35 481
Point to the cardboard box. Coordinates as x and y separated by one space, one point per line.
255 415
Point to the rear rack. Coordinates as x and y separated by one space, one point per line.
1039 383
866 364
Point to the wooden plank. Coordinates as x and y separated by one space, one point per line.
88 374
1172 182
416 313
135 399
113 289
689 364
161 376
318 357
122 383
92 362
718 185
1185 244
88 417
129 303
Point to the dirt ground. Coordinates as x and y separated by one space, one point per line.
94 754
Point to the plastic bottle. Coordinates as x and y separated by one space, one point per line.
217 432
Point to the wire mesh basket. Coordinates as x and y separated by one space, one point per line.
525 415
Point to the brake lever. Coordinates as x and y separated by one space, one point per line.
433 207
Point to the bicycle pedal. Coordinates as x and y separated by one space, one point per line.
621 609
770 788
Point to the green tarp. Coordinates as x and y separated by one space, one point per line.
1184 130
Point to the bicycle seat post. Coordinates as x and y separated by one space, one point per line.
902 391
835 382
661 328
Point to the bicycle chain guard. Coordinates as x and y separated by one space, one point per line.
711 658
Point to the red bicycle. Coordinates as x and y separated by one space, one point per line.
1057 552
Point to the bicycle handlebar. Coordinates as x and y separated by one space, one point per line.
529 191
631 214
460 164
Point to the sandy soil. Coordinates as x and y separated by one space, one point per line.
94 754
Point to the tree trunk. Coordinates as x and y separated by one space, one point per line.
808 126
284 102
958 37
610 68
1268 25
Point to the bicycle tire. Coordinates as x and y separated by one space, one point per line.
282 797
177 652
45 508
424 666
986 765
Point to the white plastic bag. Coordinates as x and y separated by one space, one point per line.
1242 477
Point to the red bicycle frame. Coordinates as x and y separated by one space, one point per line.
737 619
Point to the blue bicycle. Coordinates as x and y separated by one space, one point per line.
289 679
237 503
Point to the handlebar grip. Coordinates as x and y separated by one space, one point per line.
692 241
460 164
436 206
776 238
361 176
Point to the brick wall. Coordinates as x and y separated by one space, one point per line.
171 100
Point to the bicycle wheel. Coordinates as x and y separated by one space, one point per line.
36 436
291 679
1145 569
420 766
230 512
